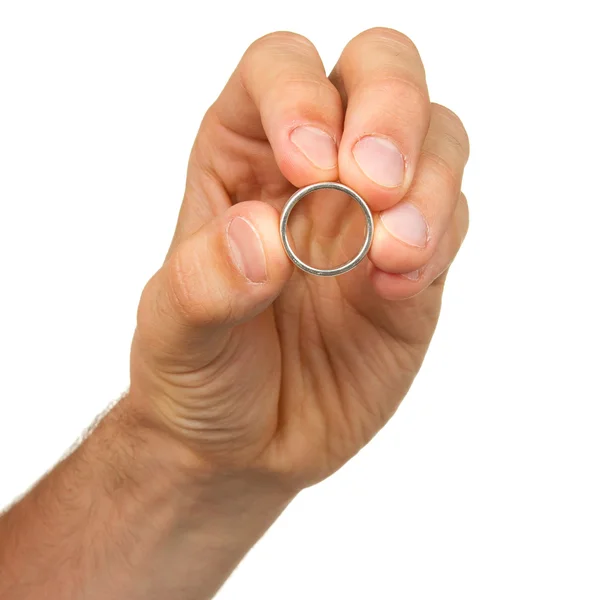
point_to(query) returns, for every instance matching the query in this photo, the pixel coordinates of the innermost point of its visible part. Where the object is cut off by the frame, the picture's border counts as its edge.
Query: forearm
(130, 514)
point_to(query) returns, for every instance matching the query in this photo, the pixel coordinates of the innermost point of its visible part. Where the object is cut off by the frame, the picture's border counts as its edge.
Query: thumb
(227, 272)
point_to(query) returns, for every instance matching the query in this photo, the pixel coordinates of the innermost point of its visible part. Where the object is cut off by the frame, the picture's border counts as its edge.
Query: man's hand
(259, 367)
(250, 380)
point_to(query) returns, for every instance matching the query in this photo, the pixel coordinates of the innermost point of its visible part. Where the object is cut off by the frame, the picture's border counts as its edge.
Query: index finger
(277, 121)
(280, 92)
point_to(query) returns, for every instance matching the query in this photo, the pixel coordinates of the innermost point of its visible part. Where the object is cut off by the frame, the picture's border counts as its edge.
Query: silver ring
(309, 189)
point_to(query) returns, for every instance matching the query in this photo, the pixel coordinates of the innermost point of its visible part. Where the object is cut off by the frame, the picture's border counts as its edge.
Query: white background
(486, 483)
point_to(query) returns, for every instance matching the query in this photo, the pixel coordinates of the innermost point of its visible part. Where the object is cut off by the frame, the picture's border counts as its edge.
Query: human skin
(251, 380)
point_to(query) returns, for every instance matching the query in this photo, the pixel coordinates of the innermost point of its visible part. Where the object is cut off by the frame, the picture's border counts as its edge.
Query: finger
(280, 92)
(227, 272)
(382, 78)
(393, 286)
(408, 234)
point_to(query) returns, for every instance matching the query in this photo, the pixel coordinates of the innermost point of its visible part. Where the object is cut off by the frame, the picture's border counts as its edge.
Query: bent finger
(408, 234)
(280, 92)
(400, 286)
(382, 79)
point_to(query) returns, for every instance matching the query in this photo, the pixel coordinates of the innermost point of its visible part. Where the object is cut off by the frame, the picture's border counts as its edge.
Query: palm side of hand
(301, 383)
(347, 362)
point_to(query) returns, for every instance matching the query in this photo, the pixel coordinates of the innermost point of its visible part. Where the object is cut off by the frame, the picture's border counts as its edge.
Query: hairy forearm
(128, 515)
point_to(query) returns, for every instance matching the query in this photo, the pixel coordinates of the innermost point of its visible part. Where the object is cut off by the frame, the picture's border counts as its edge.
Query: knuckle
(186, 292)
(455, 132)
(449, 177)
(304, 94)
(386, 59)
(278, 41)
(388, 37)
(459, 143)
(403, 94)
(290, 59)
(303, 86)
(179, 287)
(405, 88)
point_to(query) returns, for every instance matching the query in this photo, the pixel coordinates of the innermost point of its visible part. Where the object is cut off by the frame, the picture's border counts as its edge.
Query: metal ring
(285, 215)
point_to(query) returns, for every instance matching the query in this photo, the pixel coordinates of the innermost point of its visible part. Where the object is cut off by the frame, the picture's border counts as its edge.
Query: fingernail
(405, 222)
(246, 250)
(413, 275)
(318, 146)
(380, 160)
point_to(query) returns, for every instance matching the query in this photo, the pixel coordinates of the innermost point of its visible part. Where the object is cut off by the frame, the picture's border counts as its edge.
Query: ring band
(309, 189)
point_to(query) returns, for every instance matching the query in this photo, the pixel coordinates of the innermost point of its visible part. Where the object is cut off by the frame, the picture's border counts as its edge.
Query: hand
(257, 366)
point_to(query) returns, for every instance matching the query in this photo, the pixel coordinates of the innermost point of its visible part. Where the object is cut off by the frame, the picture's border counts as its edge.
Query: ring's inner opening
(326, 229)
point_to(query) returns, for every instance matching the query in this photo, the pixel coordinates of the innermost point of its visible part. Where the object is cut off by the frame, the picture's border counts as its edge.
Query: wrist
(132, 514)
(196, 486)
